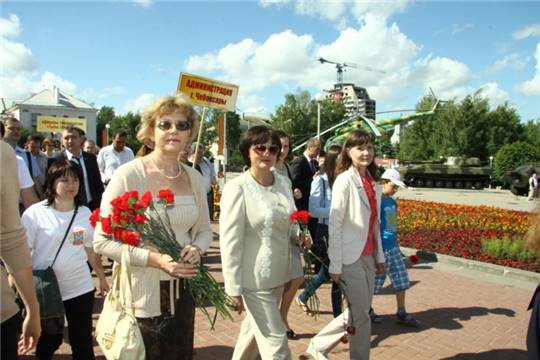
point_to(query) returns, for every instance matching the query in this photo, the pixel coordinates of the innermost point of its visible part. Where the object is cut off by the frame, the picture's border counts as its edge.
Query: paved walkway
(462, 318)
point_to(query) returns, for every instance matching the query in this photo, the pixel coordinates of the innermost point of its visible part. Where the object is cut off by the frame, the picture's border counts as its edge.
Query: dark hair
(330, 162)
(258, 135)
(282, 134)
(73, 128)
(34, 137)
(120, 133)
(356, 138)
(58, 169)
(2, 129)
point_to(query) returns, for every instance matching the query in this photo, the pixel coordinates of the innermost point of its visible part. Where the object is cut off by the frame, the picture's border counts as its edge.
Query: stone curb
(492, 269)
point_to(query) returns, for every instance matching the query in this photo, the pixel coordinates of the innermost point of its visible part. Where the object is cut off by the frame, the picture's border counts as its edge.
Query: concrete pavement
(462, 318)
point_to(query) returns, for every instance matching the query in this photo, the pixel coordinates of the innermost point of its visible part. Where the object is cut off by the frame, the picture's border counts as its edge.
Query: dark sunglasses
(261, 149)
(166, 125)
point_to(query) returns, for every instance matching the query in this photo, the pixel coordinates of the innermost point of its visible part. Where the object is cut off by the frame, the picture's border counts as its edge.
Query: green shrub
(513, 155)
(507, 248)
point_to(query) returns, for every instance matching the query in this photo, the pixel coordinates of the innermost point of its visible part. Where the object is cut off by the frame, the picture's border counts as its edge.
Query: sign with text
(207, 92)
(57, 124)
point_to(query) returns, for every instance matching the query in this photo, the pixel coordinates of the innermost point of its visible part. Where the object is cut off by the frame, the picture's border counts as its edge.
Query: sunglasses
(261, 149)
(166, 125)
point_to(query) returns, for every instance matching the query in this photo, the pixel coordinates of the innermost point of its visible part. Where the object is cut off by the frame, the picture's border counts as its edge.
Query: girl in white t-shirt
(46, 223)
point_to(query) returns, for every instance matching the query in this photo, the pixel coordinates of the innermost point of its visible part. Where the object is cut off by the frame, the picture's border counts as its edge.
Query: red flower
(344, 339)
(118, 233)
(94, 218)
(351, 330)
(145, 200)
(414, 259)
(106, 225)
(131, 237)
(301, 216)
(140, 219)
(167, 195)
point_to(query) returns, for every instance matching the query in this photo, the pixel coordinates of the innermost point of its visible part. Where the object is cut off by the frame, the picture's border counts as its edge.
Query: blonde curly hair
(164, 106)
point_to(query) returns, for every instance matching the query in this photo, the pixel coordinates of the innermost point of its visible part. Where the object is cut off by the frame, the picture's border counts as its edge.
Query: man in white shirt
(207, 171)
(12, 136)
(114, 155)
(33, 146)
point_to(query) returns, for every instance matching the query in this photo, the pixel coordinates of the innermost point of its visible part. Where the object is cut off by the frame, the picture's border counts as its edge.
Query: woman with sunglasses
(255, 246)
(164, 309)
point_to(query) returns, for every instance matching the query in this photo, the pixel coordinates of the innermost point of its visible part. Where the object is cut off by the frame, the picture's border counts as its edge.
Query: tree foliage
(468, 128)
(298, 116)
(513, 155)
(105, 116)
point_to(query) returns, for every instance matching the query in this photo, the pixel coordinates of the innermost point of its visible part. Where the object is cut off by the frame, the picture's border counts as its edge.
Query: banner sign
(57, 124)
(207, 92)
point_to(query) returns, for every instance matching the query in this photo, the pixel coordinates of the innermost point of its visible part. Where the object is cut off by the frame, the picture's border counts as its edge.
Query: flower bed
(458, 230)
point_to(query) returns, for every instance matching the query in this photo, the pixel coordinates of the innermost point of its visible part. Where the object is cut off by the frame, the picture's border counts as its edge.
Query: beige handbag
(117, 332)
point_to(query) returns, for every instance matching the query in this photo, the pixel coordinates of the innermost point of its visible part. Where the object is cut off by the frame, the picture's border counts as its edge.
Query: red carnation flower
(140, 219)
(106, 225)
(414, 259)
(167, 195)
(94, 218)
(351, 330)
(118, 233)
(146, 199)
(301, 216)
(131, 237)
(344, 339)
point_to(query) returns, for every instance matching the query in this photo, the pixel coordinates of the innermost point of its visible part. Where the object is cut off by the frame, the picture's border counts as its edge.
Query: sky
(124, 54)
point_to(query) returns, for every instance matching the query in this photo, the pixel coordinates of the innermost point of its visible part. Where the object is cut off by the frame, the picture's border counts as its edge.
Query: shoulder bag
(117, 332)
(51, 307)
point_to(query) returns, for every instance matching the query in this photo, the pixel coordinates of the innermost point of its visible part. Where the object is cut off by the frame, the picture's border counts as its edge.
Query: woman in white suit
(256, 247)
(355, 248)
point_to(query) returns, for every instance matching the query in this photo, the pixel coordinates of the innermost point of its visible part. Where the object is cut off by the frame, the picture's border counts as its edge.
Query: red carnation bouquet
(137, 222)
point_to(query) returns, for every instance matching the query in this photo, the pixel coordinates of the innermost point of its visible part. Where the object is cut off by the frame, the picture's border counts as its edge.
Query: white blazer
(349, 221)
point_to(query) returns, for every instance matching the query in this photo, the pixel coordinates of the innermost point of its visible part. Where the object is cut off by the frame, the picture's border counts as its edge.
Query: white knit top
(189, 219)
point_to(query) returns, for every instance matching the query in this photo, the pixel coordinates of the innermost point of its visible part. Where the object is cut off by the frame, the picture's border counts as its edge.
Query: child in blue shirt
(394, 266)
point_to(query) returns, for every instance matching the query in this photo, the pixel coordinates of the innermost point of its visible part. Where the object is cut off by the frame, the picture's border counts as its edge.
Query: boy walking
(395, 266)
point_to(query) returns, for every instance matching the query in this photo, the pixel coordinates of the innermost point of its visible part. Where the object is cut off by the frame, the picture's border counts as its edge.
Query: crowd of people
(352, 232)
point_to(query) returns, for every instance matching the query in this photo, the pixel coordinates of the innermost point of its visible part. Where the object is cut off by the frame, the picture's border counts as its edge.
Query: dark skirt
(170, 336)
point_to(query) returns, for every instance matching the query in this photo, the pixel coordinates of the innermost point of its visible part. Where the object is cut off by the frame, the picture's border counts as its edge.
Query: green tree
(513, 155)
(468, 128)
(298, 116)
(531, 131)
(105, 116)
(130, 124)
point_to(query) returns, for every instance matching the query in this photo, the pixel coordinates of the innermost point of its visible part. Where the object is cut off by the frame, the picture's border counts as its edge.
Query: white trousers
(359, 278)
(263, 331)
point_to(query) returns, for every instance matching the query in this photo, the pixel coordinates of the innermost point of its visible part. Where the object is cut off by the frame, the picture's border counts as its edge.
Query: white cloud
(532, 87)
(139, 104)
(290, 61)
(10, 27)
(447, 77)
(514, 61)
(15, 58)
(20, 77)
(457, 28)
(143, 3)
(494, 94)
(527, 31)
(339, 11)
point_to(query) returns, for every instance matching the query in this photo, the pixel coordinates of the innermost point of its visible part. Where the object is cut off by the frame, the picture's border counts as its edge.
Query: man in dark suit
(302, 170)
(91, 189)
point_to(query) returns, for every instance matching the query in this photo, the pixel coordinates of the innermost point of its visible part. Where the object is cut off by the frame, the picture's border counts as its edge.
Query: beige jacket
(145, 280)
(254, 230)
(14, 251)
(349, 221)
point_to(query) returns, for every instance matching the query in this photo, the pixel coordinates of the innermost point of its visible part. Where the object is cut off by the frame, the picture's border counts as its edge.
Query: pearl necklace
(163, 173)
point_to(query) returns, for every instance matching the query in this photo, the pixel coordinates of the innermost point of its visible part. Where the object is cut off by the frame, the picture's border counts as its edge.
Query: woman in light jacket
(164, 309)
(256, 247)
(355, 247)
